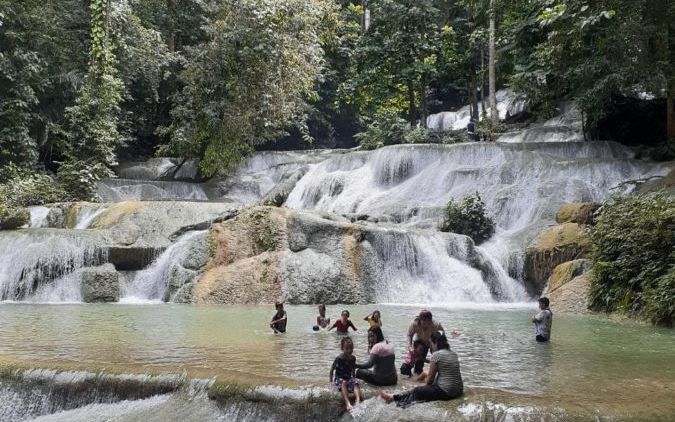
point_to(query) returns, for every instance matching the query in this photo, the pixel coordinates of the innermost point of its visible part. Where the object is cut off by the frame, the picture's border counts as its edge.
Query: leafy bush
(79, 178)
(634, 257)
(386, 129)
(23, 188)
(469, 218)
(11, 217)
(75, 181)
(390, 129)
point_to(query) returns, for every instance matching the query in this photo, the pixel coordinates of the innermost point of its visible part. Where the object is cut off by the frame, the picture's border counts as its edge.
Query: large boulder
(577, 212)
(268, 253)
(554, 246)
(100, 284)
(565, 272)
(572, 297)
(152, 223)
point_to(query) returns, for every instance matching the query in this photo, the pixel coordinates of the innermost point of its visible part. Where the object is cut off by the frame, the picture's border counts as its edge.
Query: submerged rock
(100, 284)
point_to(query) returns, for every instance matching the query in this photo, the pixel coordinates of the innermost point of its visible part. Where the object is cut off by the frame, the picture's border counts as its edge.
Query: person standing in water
(374, 320)
(422, 327)
(543, 321)
(382, 359)
(321, 320)
(342, 325)
(279, 319)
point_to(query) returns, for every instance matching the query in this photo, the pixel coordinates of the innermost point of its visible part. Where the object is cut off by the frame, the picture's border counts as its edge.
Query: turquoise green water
(590, 360)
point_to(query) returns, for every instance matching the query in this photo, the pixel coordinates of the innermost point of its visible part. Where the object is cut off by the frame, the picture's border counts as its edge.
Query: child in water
(279, 319)
(374, 320)
(342, 373)
(343, 323)
(321, 320)
(413, 363)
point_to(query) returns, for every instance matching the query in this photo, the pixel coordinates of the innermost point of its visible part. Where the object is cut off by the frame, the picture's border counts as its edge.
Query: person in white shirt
(542, 321)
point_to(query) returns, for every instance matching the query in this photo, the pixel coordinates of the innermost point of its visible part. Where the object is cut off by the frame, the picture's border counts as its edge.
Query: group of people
(442, 380)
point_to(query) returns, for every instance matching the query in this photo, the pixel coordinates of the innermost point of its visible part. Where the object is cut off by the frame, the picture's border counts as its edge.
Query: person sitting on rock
(444, 380)
(342, 325)
(342, 373)
(279, 319)
(381, 359)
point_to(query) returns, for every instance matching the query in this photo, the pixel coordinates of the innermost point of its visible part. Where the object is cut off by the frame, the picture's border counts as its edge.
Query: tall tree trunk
(493, 52)
(365, 19)
(172, 30)
(423, 102)
(473, 95)
(483, 110)
(411, 103)
(670, 112)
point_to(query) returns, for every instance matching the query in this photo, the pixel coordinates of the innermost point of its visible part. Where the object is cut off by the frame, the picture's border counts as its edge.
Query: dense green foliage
(592, 51)
(634, 257)
(249, 82)
(469, 218)
(85, 82)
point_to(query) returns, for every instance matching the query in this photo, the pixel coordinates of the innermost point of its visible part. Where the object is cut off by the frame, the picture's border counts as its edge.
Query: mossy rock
(564, 235)
(116, 213)
(565, 272)
(577, 212)
(555, 245)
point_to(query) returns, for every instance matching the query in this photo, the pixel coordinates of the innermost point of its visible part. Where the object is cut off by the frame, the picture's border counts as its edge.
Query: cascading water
(152, 283)
(437, 268)
(42, 264)
(522, 186)
(116, 190)
(508, 104)
(87, 216)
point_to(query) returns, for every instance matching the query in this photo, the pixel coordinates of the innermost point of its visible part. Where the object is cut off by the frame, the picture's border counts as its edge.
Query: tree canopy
(90, 81)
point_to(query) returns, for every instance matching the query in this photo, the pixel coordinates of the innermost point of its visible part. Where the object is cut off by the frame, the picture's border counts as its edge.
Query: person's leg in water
(345, 394)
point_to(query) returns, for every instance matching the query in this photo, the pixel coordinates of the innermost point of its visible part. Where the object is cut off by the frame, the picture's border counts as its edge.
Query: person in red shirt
(343, 324)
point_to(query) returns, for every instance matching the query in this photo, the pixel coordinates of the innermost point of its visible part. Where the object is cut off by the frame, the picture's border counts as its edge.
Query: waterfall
(152, 283)
(87, 215)
(522, 185)
(42, 264)
(116, 190)
(508, 104)
(38, 216)
(435, 268)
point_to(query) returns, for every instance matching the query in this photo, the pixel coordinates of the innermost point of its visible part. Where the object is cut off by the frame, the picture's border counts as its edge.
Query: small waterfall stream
(151, 284)
(42, 264)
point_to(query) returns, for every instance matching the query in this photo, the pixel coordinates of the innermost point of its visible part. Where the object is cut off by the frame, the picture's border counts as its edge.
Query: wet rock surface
(100, 284)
